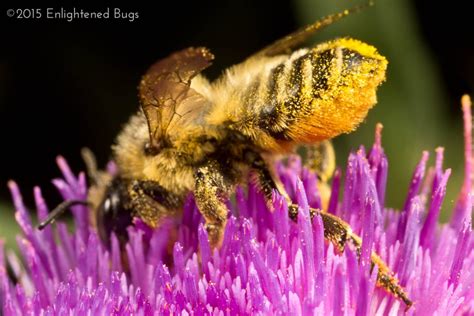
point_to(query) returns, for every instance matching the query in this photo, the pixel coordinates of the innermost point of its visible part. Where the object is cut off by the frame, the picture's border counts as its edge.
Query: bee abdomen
(319, 93)
(290, 89)
(309, 96)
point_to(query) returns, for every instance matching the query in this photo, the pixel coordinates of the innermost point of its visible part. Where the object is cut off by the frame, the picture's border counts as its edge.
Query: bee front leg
(211, 189)
(151, 202)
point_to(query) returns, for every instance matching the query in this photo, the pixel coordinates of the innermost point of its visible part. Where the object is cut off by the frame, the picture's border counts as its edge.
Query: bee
(192, 135)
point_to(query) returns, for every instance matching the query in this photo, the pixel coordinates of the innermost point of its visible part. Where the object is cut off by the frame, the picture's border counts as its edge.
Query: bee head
(112, 214)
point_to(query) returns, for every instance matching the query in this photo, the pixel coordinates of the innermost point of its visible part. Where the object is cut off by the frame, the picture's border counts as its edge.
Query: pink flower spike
(267, 264)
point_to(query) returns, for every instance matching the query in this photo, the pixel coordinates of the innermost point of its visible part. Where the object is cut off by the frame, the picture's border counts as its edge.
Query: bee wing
(166, 97)
(286, 44)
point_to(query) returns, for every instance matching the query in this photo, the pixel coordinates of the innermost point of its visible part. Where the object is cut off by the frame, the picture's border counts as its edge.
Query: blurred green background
(64, 85)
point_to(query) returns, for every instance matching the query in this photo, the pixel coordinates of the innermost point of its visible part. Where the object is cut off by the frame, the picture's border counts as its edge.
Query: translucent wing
(166, 97)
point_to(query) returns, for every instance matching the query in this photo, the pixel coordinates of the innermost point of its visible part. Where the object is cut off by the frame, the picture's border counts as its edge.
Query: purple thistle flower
(267, 263)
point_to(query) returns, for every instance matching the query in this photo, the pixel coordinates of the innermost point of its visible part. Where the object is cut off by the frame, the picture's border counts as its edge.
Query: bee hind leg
(321, 159)
(339, 233)
(336, 230)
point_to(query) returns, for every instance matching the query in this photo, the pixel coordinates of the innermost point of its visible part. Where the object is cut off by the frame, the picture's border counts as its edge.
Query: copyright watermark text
(71, 14)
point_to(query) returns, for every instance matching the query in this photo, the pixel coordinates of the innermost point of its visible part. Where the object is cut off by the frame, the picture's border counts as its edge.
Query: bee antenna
(59, 210)
(91, 164)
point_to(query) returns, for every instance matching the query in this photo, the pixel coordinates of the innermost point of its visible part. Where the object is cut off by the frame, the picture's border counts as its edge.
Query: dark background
(64, 85)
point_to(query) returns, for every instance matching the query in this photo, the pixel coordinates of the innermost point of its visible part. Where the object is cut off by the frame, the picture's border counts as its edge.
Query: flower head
(267, 263)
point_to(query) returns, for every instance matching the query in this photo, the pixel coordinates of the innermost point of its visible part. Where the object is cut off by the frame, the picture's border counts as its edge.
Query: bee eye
(113, 216)
(151, 150)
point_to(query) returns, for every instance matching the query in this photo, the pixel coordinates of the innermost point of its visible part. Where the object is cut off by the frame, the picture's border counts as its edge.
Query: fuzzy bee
(192, 135)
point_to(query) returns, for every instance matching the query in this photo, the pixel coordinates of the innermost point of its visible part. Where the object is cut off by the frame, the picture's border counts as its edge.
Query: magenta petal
(461, 253)
(429, 226)
(413, 190)
(410, 241)
(204, 248)
(340, 304)
(379, 164)
(306, 242)
(268, 279)
(368, 232)
(266, 265)
(333, 200)
(461, 212)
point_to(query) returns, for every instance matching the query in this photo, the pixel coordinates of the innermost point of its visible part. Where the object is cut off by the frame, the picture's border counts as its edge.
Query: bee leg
(59, 210)
(211, 187)
(264, 177)
(336, 230)
(151, 202)
(320, 159)
(339, 233)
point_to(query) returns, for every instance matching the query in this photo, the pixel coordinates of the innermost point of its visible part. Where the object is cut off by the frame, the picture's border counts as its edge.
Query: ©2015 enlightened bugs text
(71, 14)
